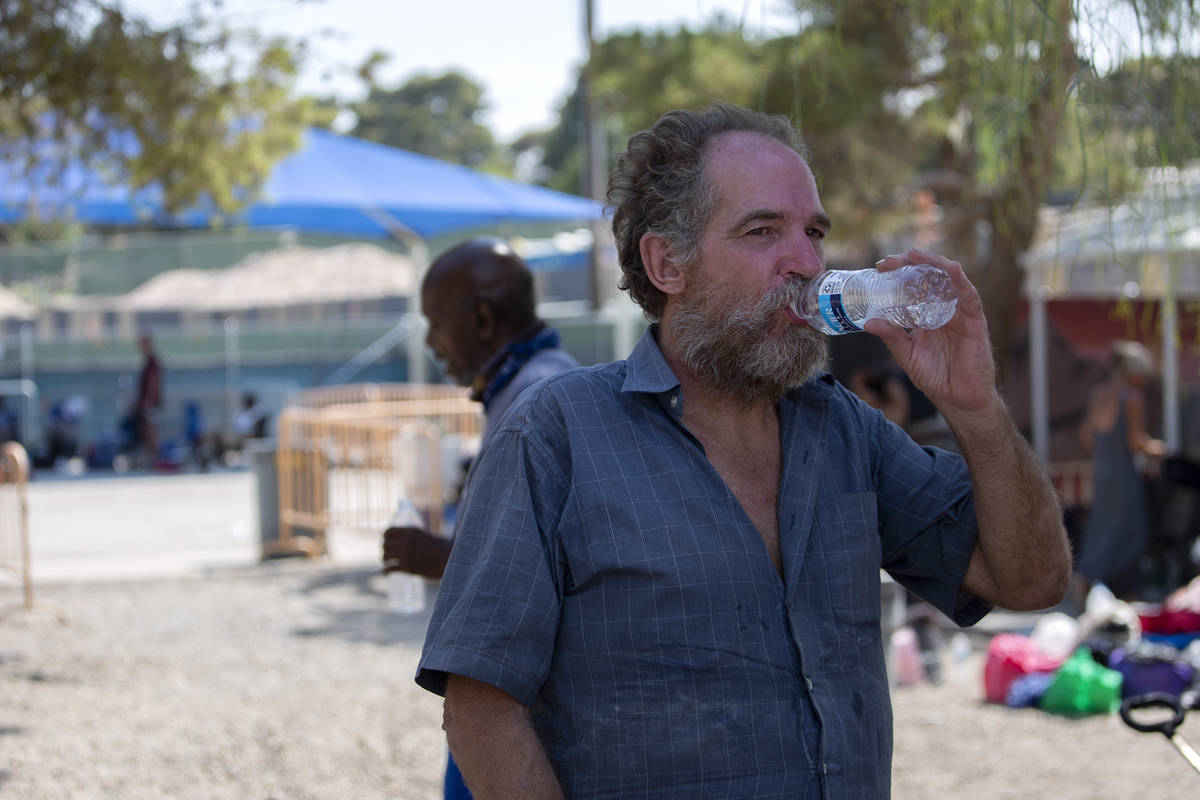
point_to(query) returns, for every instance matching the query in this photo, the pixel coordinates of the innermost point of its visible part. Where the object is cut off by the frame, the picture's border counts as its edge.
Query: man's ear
(485, 320)
(660, 269)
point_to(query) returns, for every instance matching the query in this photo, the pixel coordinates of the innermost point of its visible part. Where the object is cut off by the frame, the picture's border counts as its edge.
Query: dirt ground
(289, 680)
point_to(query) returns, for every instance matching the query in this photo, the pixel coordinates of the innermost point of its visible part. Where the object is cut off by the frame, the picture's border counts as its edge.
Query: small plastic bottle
(913, 296)
(405, 591)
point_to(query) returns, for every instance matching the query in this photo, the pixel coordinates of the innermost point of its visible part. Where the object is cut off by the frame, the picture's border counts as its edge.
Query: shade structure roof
(1148, 246)
(332, 184)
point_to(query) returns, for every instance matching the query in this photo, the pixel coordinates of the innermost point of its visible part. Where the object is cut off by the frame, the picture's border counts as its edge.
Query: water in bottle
(405, 591)
(913, 296)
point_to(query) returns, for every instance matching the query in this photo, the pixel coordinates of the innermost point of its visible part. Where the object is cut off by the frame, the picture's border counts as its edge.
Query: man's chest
(752, 476)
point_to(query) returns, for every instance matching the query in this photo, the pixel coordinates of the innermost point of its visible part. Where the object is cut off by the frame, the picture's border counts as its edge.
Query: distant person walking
(148, 400)
(1114, 432)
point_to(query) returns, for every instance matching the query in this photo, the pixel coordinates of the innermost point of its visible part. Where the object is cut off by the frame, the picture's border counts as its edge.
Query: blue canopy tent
(333, 184)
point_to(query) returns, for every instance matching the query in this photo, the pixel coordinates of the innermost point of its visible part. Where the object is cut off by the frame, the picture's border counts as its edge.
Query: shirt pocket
(848, 529)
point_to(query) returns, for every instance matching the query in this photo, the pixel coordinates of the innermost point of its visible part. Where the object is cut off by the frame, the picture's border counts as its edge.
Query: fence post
(29, 407)
(14, 512)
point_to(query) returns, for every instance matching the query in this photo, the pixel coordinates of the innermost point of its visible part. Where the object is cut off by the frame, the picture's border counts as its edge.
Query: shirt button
(824, 768)
(808, 683)
(674, 401)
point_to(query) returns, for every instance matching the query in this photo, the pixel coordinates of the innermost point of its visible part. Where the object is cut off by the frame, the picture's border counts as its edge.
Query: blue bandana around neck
(510, 360)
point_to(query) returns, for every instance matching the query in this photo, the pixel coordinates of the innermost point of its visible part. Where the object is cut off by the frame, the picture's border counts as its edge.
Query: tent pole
(1039, 399)
(1170, 365)
(595, 160)
(29, 409)
(232, 366)
(418, 251)
(418, 371)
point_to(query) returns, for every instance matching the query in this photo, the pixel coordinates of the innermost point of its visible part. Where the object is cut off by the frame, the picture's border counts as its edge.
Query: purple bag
(1149, 667)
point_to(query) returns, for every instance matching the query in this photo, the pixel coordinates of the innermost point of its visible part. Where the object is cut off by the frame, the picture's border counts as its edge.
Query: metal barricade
(347, 455)
(14, 527)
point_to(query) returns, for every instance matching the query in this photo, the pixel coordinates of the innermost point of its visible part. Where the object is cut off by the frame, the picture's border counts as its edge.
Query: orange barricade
(347, 455)
(14, 525)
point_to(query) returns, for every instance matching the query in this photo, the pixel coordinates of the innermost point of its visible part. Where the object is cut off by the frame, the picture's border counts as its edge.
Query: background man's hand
(416, 551)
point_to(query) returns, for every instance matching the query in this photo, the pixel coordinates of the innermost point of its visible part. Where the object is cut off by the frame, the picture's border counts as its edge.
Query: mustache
(783, 295)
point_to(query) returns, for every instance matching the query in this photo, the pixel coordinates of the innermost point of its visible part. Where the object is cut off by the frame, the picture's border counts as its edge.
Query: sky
(525, 53)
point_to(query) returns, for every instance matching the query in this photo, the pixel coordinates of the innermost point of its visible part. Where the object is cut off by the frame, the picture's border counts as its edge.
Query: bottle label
(829, 301)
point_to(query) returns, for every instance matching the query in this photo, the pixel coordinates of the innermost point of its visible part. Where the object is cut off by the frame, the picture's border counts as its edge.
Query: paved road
(110, 527)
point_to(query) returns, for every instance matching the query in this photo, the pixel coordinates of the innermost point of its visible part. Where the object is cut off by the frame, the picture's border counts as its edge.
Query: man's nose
(804, 260)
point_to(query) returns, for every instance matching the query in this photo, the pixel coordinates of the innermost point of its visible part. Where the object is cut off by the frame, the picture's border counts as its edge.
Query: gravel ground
(291, 680)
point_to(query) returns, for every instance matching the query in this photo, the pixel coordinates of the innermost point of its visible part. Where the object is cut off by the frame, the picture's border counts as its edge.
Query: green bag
(1081, 686)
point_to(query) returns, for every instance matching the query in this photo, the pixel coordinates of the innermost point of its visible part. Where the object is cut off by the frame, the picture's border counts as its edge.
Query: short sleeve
(496, 615)
(927, 521)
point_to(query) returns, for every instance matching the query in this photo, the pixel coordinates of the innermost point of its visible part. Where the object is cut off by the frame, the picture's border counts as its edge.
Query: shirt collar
(646, 369)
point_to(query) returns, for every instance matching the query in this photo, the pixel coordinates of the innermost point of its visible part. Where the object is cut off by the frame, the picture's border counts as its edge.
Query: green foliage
(437, 115)
(201, 111)
(817, 79)
(1152, 101)
(561, 149)
(992, 108)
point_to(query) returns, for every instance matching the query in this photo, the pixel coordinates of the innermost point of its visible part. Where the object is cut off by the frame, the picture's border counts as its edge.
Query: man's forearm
(494, 744)
(1022, 560)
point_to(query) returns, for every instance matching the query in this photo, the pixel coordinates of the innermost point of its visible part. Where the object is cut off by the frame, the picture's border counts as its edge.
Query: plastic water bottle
(913, 296)
(405, 591)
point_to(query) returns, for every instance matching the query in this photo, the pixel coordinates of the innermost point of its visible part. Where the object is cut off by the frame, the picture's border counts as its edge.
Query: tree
(1150, 103)
(816, 80)
(437, 115)
(1014, 87)
(993, 108)
(640, 74)
(195, 108)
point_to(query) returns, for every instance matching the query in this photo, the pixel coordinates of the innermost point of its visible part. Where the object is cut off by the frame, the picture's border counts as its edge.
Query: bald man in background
(478, 298)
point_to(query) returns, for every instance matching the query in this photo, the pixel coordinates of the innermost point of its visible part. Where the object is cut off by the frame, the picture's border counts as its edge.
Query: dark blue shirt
(604, 575)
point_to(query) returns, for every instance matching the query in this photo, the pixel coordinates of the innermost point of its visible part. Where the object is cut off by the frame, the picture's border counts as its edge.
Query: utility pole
(595, 178)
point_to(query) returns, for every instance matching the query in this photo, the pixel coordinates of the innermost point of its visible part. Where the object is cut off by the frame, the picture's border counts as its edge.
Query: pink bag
(1010, 656)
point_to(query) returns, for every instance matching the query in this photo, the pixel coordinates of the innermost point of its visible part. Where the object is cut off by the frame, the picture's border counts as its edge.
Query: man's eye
(816, 233)
(759, 231)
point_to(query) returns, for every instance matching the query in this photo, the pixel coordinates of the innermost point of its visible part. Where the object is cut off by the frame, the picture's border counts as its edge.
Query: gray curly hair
(659, 186)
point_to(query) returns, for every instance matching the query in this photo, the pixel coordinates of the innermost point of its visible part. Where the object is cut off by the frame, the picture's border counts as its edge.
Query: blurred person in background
(10, 430)
(61, 445)
(478, 298)
(250, 421)
(147, 402)
(1114, 433)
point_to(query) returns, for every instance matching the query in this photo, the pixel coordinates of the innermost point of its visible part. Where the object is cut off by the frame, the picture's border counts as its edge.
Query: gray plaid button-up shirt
(604, 575)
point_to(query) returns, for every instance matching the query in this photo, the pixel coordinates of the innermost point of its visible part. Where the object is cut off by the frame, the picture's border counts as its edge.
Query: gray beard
(728, 347)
